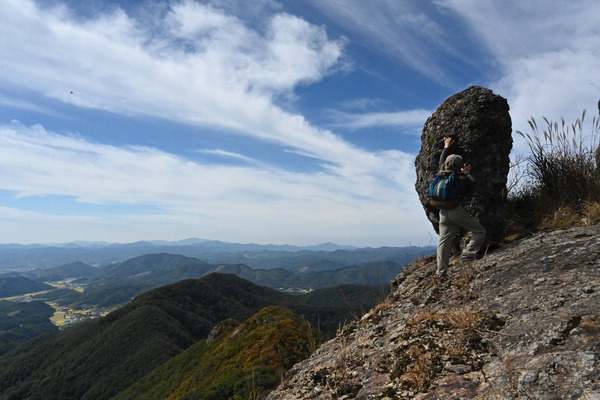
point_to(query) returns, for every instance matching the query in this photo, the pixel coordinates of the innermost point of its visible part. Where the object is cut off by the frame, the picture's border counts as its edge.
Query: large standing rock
(479, 122)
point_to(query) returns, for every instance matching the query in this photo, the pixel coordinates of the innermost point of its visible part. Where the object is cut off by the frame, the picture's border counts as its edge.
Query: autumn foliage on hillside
(238, 361)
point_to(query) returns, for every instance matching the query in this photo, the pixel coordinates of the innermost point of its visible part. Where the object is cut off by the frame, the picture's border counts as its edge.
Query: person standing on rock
(451, 219)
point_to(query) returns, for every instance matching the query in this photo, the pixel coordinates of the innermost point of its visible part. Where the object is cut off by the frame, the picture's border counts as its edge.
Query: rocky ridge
(521, 323)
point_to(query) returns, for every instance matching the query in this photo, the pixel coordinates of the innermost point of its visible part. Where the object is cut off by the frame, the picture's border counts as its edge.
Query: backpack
(443, 191)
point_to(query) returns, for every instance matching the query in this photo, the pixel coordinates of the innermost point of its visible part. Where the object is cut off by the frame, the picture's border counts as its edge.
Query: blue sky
(292, 121)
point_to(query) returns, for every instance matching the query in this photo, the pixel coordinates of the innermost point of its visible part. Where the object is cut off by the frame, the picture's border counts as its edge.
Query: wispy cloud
(541, 55)
(229, 154)
(402, 30)
(204, 68)
(22, 104)
(200, 66)
(549, 52)
(413, 120)
(192, 197)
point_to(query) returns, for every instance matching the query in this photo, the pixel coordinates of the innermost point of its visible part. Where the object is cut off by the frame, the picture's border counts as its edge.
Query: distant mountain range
(98, 290)
(118, 283)
(15, 257)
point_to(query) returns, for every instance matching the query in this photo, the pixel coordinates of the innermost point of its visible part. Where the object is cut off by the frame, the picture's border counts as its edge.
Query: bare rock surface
(521, 323)
(480, 123)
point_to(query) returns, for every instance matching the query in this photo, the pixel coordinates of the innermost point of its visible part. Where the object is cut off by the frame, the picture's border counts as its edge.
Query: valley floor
(64, 316)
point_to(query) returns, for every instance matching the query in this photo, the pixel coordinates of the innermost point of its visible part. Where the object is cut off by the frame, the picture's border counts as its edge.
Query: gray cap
(453, 163)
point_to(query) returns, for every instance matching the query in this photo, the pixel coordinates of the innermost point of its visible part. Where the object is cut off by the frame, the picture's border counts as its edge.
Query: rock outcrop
(521, 323)
(479, 122)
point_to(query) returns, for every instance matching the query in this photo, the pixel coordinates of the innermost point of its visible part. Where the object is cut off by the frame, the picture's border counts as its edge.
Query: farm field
(63, 316)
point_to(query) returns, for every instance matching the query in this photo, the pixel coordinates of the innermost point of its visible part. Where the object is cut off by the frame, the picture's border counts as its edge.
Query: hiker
(455, 216)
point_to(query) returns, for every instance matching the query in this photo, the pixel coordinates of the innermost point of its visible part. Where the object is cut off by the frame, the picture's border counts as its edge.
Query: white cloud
(549, 52)
(204, 68)
(248, 204)
(208, 69)
(414, 119)
(24, 105)
(229, 154)
(399, 29)
(192, 20)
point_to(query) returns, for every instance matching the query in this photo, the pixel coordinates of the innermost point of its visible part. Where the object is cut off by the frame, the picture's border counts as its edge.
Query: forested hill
(98, 359)
(18, 285)
(75, 269)
(239, 361)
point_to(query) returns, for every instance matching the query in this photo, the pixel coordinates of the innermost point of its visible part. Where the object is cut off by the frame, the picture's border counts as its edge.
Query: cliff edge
(521, 323)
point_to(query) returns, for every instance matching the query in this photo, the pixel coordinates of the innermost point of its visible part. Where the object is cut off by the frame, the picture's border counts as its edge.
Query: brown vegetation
(557, 186)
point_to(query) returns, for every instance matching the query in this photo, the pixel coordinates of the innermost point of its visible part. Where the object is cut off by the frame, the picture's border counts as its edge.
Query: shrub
(559, 183)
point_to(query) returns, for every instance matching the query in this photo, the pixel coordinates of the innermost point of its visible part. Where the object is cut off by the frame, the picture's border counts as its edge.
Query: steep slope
(97, 360)
(238, 360)
(523, 322)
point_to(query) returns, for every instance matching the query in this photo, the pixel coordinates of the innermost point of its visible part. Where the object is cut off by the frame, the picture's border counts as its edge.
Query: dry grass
(425, 316)
(464, 319)
(563, 218)
(421, 365)
(463, 285)
(380, 307)
(377, 313)
(558, 180)
(434, 338)
(591, 212)
(567, 217)
(455, 318)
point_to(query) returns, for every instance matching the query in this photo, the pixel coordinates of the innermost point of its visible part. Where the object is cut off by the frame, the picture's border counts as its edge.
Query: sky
(260, 121)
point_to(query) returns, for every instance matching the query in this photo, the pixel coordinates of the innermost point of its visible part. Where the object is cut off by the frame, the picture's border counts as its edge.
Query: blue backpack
(443, 191)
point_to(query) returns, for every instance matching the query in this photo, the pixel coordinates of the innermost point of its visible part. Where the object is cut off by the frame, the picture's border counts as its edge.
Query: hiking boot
(469, 256)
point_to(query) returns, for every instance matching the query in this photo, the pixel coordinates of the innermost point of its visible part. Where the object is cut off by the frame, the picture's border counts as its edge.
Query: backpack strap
(445, 203)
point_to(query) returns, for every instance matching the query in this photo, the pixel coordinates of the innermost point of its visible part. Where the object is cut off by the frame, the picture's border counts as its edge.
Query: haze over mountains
(25, 257)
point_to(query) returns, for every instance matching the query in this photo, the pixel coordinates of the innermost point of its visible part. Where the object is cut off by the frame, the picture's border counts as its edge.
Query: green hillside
(22, 321)
(150, 270)
(97, 296)
(66, 271)
(99, 359)
(240, 361)
(376, 273)
(19, 285)
(153, 270)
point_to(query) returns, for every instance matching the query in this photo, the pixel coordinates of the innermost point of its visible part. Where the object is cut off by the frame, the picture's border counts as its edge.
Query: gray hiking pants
(450, 220)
